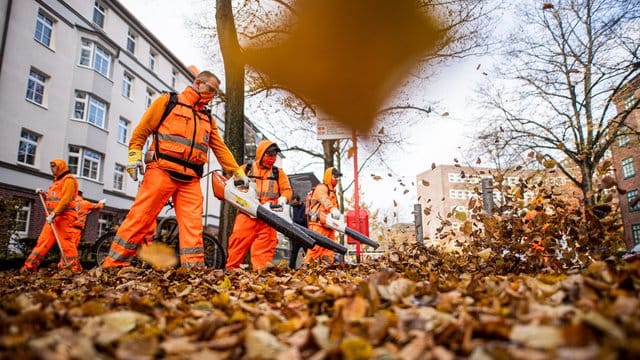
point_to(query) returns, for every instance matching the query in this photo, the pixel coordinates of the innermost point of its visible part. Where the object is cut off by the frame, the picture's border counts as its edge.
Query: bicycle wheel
(214, 255)
(102, 246)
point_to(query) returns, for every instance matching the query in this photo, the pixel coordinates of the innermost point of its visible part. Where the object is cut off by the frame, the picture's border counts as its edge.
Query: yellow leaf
(351, 152)
(159, 255)
(425, 183)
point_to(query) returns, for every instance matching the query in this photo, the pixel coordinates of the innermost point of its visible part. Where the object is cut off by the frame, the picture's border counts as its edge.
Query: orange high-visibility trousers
(251, 233)
(157, 187)
(47, 240)
(318, 252)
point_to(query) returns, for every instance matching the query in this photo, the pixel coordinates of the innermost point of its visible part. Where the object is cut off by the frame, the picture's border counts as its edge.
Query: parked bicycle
(167, 232)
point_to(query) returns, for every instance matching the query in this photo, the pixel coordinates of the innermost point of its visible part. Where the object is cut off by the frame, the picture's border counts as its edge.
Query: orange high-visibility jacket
(268, 188)
(63, 191)
(84, 208)
(323, 199)
(188, 144)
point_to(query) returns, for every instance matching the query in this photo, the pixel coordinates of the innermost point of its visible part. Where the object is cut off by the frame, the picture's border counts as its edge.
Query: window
(635, 233)
(127, 85)
(84, 162)
(44, 29)
(35, 86)
(105, 223)
(152, 60)
(118, 177)
(27, 147)
(149, 97)
(90, 109)
(174, 78)
(629, 101)
(623, 140)
(631, 195)
(131, 42)
(94, 56)
(23, 215)
(99, 12)
(627, 168)
(123, 130)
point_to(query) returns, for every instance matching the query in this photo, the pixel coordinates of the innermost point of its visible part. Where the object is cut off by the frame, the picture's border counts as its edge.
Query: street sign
(332, 130)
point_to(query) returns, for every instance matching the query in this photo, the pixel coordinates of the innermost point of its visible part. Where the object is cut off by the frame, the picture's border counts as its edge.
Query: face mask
(334, 182)
(205, 98)
(268, 161)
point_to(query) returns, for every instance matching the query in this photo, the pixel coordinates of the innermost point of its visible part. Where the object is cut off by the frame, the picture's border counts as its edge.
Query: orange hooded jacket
(63, 191)
(268, 188)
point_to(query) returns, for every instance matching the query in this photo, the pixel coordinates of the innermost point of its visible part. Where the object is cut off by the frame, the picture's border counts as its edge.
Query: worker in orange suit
(324, 202)
(174, 166)
(84, 208)
(61, 208)
(272, 186)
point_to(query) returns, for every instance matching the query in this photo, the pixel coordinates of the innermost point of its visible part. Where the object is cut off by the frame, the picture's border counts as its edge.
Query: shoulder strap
(173, 101)
(275, 173)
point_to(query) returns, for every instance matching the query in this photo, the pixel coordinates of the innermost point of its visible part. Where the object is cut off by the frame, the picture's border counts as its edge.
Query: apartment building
(626, 160)
(75, 77)
(445, 192)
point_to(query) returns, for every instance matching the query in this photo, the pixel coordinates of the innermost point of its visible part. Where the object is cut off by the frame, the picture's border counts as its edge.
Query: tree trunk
(234, 106)
(329, 150)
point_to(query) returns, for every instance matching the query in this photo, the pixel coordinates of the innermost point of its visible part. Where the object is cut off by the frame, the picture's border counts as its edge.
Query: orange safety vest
(83, 208)
(267, 184)
(181, 141)
(54, 193)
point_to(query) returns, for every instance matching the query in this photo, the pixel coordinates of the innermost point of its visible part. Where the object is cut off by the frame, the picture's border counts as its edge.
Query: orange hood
(61, 167)
(261, 149)
(327, 177)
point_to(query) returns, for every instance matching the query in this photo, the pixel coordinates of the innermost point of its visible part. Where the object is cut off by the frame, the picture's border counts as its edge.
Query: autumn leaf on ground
(160, 256)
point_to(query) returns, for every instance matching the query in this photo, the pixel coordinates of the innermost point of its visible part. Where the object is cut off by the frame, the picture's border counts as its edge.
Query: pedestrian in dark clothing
(299, 216)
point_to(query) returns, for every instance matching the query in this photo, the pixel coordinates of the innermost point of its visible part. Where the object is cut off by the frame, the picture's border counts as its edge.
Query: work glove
(40, 191)
(50, 218)
(282, 201)
(134, 164)
(101, 203)
(335, 213)
(241, 176)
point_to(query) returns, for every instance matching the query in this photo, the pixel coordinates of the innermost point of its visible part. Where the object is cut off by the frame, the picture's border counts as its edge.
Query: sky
(435, 139)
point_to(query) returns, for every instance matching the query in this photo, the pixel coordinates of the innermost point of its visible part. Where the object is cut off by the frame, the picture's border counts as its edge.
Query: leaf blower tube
(321, 240)
(339, 226)
(247, 202)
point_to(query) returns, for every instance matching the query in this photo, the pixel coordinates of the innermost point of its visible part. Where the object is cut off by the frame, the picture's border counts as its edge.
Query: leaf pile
(413, 303)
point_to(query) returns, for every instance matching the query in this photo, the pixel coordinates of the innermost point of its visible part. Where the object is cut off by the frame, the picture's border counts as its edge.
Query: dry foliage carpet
(413, 303)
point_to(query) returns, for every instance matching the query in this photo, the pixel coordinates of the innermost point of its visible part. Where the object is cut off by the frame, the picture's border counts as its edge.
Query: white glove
(282, 201)
(101, 203)
(50, 218)
(335, 213)
(40, 191)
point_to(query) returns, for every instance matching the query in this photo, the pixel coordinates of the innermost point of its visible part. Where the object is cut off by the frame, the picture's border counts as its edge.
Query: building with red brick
(625, 153)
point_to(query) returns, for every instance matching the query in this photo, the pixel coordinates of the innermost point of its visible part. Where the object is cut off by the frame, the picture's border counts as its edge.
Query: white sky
(436, 139)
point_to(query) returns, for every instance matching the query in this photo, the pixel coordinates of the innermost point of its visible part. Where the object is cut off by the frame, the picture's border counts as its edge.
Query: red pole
(356, 190)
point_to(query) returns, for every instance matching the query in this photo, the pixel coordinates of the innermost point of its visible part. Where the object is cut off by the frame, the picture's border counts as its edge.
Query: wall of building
(53, 120)
(622, 150)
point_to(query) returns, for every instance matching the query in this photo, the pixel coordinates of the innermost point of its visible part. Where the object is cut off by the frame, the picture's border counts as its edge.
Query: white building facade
(75, 78)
